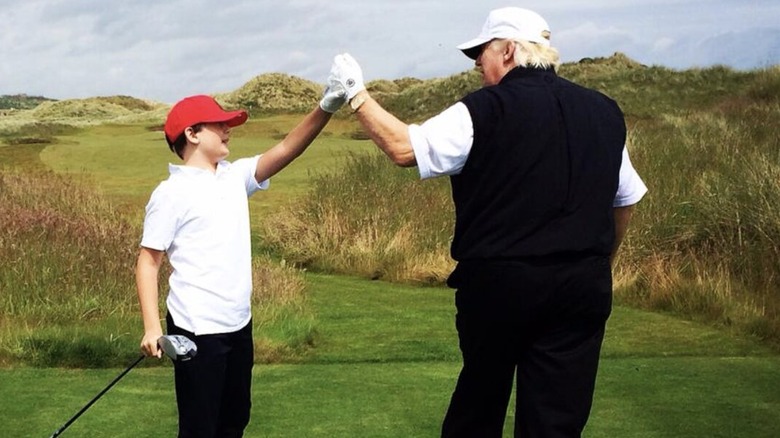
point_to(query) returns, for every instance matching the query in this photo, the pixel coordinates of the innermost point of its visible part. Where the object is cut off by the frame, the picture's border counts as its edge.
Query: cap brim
(472, 48)
(232, 118)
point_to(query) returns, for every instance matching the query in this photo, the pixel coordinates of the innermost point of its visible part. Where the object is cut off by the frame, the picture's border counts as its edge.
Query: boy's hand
(333, 97)
(347, 72)
(149, 345)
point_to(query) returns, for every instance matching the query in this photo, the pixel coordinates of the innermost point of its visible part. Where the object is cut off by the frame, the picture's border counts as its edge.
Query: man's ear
(191, 135)
(508, 52)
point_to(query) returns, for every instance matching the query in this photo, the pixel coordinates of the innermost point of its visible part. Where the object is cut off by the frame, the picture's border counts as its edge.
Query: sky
(164, 50)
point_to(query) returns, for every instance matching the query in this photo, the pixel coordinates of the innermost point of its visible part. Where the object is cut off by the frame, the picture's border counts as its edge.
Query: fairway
(386, 362)
(128, 161)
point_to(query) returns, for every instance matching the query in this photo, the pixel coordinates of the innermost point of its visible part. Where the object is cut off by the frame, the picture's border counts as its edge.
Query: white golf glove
(333, 98)
(347, 72)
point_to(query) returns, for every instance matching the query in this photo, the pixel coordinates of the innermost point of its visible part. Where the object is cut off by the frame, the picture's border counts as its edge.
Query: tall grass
(371, 220)
(65, 251)
(703, 243)
(67, 287)
(283, 321)
(67, 264)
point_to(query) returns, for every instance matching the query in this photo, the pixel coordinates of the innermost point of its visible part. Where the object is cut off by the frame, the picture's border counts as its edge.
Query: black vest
(542, 172)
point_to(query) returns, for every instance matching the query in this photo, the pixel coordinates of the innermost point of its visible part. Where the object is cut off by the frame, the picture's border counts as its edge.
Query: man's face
(495, 61)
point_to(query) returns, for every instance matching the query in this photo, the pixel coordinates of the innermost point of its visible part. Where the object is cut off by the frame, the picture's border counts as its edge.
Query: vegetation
(385, 365)
(96, 109)
(370, 349)
(20, 101)
(274, 93)
(68, 286)
(703, 242)
(342, 226)
(36, 132)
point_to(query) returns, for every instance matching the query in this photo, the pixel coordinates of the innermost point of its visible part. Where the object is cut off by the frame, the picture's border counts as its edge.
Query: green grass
(369, 358)
(20, 101)
(678, 397)
(128, 161)
(385, 365)
(406, 324)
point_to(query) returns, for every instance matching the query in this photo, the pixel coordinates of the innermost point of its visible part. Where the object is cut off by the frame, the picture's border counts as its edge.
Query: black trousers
(539, 322)
(213, 389)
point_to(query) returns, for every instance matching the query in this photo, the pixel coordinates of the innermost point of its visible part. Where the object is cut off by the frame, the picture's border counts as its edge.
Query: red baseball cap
(199, 109)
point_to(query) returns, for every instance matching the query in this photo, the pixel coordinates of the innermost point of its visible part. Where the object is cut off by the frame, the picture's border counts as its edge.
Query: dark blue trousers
(539, 323)
(213, 389)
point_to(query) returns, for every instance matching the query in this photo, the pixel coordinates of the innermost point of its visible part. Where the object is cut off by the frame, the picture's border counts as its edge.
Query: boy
(199, 218)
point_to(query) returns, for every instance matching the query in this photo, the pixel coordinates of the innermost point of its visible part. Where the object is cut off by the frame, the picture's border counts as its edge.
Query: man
(543, 191)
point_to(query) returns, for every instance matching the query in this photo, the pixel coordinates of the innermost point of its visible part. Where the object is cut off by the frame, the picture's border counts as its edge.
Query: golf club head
(177, 347)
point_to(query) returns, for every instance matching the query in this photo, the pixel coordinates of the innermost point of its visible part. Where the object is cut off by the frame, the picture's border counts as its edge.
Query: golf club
(177, 347)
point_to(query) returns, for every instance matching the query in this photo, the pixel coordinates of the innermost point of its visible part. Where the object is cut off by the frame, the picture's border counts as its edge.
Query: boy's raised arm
(293, 145)
(297, 140)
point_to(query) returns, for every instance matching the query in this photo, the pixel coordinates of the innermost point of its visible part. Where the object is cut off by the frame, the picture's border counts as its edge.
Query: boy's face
(213, 141)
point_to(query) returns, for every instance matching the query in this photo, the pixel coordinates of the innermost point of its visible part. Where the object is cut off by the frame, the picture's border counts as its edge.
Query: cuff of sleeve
(632, 199)
(263, 185)
(421, 152)
(259, 185)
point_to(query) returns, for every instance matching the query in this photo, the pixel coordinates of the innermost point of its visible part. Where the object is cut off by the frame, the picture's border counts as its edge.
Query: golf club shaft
(91, 402)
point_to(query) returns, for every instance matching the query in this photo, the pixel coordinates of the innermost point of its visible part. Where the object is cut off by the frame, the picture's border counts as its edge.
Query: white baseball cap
(509, 23)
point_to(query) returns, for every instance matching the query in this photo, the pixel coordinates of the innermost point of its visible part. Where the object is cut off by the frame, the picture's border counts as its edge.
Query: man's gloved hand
(334, 97)
(347, 72)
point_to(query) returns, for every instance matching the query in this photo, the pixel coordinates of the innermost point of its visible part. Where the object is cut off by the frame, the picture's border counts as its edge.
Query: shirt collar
(528, 72)
(178, 169)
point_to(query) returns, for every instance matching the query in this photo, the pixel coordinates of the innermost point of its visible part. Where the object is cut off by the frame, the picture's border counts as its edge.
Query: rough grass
(703, 243)
(367, 220)
(274, 93)
(19, 102)
(67, 287)
(94, 109)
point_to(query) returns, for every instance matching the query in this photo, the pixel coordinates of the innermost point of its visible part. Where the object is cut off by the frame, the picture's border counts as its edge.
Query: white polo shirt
(442, 145)
(201, 220)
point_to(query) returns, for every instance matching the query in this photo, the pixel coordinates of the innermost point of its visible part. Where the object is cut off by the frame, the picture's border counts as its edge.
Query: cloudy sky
(167, 49)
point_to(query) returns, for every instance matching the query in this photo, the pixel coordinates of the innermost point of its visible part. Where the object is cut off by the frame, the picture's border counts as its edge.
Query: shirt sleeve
(442, 143)
(247, 168)
(631, 188)
(161, 220)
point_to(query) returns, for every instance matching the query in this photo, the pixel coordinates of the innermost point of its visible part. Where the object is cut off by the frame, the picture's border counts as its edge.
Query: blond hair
(528, 54)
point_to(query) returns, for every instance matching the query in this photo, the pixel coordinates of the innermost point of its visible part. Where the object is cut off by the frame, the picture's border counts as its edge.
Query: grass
(372, 376)
(703, 242)
(130, 160)
(340, 227)
(20, 101)
(68, 287)
(345, 356)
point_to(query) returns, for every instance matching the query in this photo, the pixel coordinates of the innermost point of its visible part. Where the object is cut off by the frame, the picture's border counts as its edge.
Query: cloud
(742, 50)
(164, 50)
(663, 44)
(591, 40)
